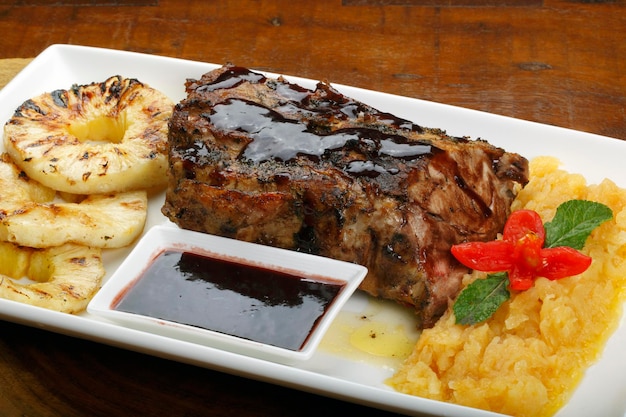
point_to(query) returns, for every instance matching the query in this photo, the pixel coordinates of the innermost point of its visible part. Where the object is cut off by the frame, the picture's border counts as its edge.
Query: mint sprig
(572, 224)
(574, 221)
(479, 300)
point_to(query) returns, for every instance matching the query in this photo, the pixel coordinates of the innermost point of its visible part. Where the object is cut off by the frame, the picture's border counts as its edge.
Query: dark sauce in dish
(250, 302)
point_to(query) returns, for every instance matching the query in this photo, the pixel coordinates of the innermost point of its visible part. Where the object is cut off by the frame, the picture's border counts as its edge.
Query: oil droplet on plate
(382, 339)
(382, 334)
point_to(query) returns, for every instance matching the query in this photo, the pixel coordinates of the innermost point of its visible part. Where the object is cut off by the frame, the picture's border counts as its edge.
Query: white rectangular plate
(603, 389)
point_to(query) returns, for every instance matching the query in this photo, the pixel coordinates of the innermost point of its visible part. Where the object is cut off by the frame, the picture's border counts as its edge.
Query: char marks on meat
(264, 160)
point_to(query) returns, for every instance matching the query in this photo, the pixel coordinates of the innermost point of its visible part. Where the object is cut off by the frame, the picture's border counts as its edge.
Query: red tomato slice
(562, 261)
(520, 279)
(492, 256)
(521, 253)
(522, 222)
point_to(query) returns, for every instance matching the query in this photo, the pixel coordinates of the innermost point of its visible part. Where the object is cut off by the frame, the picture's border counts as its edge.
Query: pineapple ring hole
(100, 129)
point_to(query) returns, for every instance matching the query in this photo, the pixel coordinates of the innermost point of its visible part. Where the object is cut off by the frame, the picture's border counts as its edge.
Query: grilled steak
(267, 161)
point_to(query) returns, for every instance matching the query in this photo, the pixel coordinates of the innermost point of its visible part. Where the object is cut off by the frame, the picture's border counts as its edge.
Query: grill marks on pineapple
(104, 220)
(62, 278)
(93, 138)
(77, 142)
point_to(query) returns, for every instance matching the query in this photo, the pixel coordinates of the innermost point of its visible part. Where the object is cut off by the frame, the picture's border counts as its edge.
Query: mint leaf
(573, 223)
(479, 300)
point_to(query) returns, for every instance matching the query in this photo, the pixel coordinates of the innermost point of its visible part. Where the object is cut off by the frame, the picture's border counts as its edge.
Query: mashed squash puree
(528, 358)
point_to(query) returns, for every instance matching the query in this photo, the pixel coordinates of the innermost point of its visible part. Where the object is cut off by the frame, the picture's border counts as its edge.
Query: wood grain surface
(551, 61)
(561, 63)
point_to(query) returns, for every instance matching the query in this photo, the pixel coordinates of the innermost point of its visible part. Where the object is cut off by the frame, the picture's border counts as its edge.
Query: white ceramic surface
(603, 389)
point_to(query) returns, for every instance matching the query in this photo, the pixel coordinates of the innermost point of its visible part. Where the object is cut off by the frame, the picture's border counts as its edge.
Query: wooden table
(550, 61)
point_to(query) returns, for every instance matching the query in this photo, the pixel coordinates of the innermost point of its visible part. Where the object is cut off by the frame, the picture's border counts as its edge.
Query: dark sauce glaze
(277, 136)
(231, 79)
(250, 302)
(299, 127)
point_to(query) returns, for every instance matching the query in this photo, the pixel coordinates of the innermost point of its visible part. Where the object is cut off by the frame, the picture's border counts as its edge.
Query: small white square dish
(256, 300)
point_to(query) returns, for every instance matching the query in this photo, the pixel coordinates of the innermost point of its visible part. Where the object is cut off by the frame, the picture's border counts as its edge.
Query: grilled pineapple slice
(102, 221)
(92, 139)
(16, 186)
(62, 278)
(28, 217)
